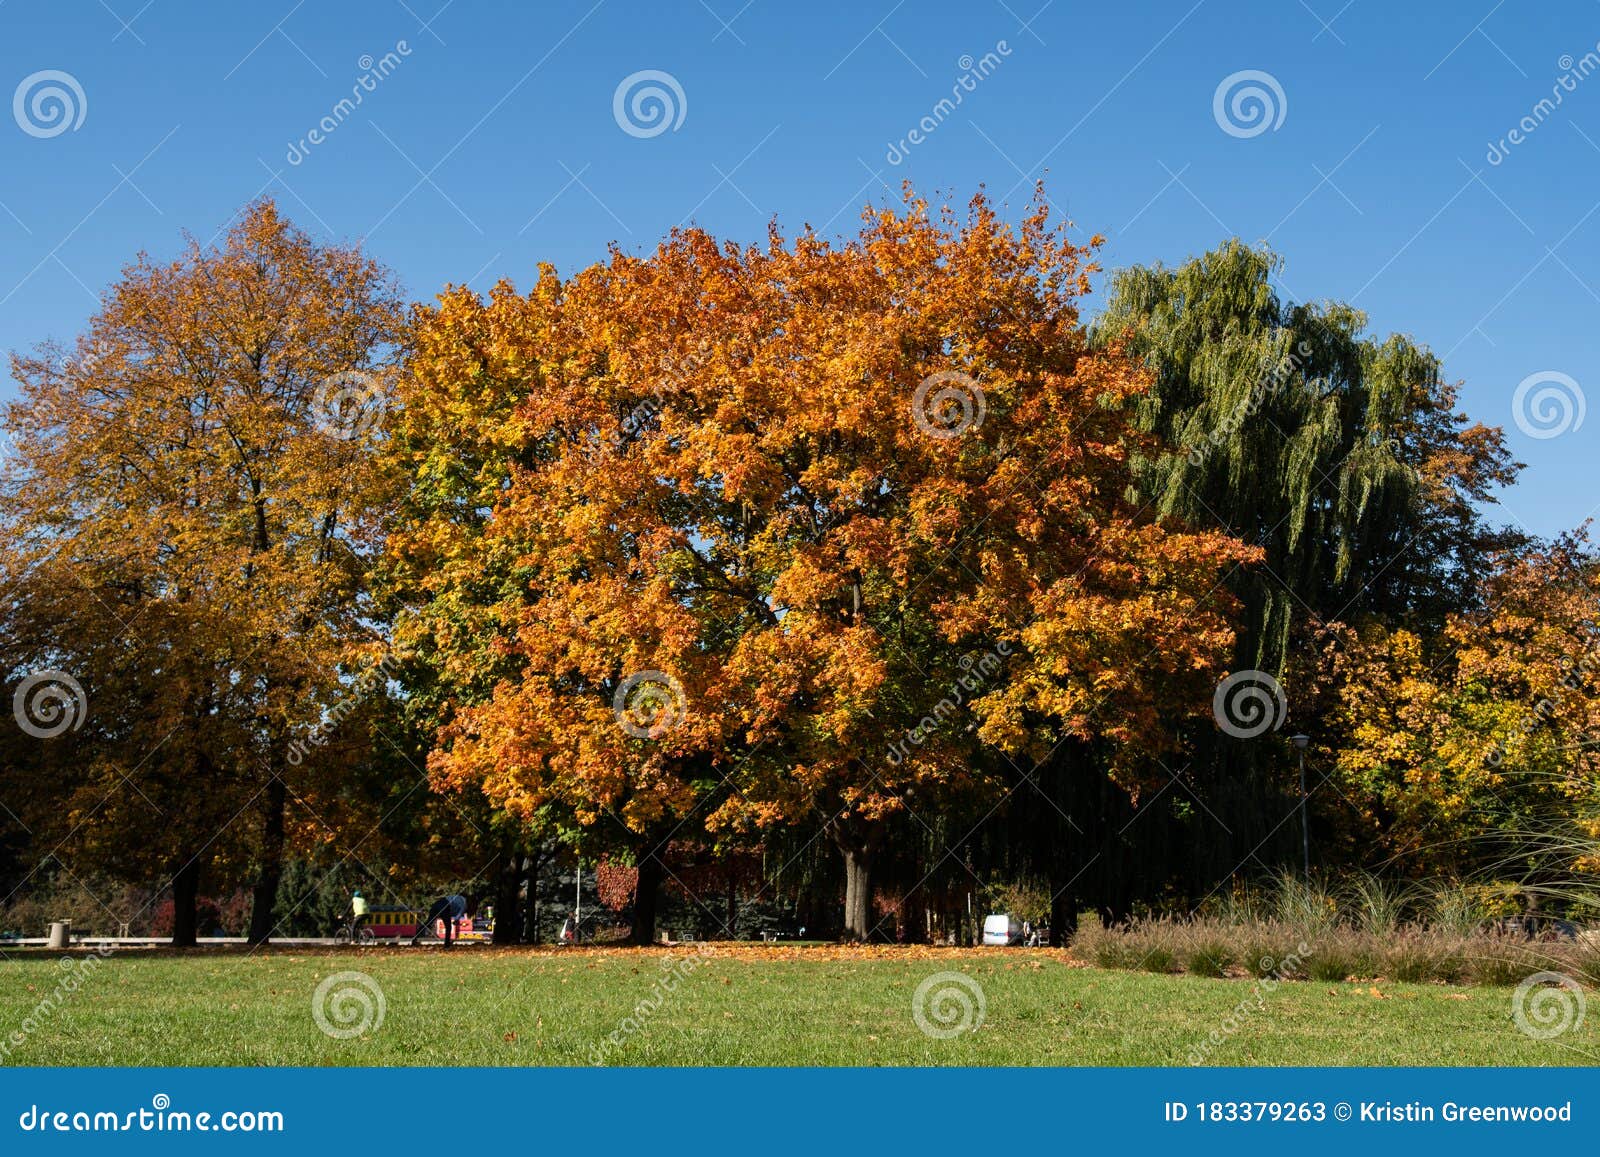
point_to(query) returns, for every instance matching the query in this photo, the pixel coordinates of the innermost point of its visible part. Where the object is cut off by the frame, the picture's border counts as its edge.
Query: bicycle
(348, 933)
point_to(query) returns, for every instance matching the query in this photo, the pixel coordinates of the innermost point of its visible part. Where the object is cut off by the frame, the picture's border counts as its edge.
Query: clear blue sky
(491, 145)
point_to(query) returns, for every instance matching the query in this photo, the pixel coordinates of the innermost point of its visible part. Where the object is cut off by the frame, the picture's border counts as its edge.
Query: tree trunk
(912, 923)
(530, 914)
(507, 917)
(733, 900)
(1063, 918)
(857, 894)
(651, 872)
(275, 800)
(185, 894)
(850, 882)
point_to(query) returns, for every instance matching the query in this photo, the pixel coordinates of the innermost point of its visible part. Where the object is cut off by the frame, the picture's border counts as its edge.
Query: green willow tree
(1343, 457)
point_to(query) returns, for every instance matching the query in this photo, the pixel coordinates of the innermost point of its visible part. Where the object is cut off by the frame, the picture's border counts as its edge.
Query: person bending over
(449, 909)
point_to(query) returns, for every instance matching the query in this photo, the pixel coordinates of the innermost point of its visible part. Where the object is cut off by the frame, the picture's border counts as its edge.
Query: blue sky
(492, 144)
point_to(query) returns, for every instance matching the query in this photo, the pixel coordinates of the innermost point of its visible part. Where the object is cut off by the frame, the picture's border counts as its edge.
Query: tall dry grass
(1367, 929)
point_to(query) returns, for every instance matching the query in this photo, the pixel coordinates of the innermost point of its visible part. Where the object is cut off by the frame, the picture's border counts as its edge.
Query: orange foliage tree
(189, 514)
(763, 519)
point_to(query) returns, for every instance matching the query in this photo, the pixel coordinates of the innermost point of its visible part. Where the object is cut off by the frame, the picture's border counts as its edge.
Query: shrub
(1156, 944)
(1207, 954)
(1383, 931)
(1498, 960)
(1408, 960)
(1455, 909)
(95, 906)
(1157, 958)
(1331, 963)
(1303, 904)
(1106, 948)
(1584, 958)
(1376, 906)
(1268, 948)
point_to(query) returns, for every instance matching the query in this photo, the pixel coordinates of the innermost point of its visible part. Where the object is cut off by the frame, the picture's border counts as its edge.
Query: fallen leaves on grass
(721, 950)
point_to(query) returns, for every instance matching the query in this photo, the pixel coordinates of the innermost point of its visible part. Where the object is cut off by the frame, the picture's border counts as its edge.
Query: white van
(1002, 929)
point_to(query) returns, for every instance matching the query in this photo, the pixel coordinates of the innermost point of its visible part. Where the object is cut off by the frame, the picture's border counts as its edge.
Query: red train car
(394, 923)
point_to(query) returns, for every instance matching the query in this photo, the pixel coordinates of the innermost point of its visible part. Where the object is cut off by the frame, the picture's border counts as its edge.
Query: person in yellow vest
(359, 911)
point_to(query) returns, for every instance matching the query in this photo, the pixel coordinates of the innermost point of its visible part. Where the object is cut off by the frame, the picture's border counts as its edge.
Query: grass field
(738, 1005)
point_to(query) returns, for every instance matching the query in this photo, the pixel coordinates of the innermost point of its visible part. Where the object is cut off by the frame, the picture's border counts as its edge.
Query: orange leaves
(723, 476)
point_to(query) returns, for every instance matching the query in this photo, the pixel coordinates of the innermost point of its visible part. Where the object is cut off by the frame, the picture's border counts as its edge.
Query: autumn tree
(791, 534)
(448, 578)
(189, 516)
(1466, 751)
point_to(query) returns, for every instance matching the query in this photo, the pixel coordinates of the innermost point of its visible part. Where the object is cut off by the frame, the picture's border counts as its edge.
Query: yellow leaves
(235, 515)
(1449, 735)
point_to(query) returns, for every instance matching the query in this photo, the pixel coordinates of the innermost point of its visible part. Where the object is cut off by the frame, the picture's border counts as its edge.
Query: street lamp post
(1301, 742)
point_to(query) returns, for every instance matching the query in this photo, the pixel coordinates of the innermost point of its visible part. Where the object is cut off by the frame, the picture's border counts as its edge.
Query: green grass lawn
(737, 1006)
